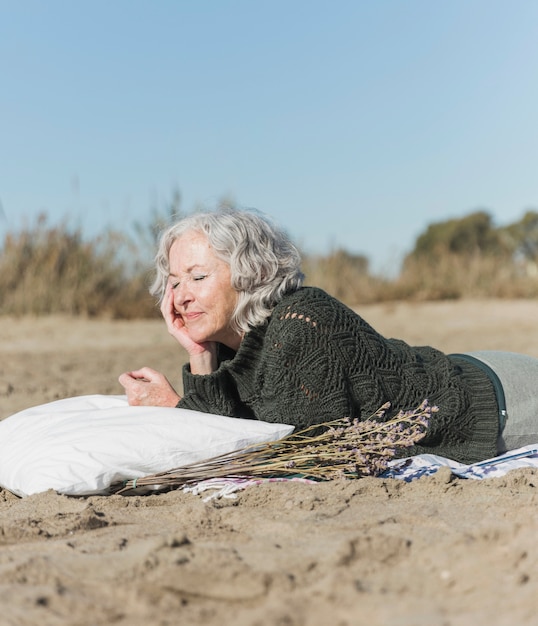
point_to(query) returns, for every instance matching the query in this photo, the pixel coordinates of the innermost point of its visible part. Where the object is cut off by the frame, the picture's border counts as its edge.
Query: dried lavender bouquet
(341, 448)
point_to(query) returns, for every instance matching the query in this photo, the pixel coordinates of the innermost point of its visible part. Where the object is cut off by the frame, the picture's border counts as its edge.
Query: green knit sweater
(316, 360)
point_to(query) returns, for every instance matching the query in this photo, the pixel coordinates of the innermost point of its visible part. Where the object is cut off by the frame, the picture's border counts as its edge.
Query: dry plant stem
(345, 449)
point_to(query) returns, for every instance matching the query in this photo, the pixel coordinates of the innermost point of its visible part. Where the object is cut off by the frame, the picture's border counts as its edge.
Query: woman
(262, 346)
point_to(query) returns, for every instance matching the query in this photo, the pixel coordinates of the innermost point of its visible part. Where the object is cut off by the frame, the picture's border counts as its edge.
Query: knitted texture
(316, 360)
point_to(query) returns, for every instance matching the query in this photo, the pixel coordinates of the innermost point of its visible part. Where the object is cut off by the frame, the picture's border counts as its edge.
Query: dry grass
(50, 270)
(454, 276)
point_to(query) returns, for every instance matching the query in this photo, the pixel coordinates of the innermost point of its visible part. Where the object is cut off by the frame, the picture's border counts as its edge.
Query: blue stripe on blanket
(427, 464)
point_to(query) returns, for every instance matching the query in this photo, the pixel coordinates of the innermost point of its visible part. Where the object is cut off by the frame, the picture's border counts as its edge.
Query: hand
(147, 387)
(202, 356)
(176, 327)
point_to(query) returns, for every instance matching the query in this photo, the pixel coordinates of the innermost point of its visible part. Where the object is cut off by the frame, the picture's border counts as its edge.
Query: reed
(54, 270)
(458, 276)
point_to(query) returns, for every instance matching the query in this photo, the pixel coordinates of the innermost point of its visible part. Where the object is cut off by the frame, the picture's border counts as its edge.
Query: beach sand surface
(437, 551)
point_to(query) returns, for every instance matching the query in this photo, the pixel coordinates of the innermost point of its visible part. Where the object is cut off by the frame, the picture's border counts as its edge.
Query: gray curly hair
(263, 261)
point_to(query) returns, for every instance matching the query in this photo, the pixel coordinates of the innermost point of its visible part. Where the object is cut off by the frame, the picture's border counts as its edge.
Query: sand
(438, 551)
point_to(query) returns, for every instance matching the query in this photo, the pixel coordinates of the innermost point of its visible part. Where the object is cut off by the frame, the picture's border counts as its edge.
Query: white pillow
(82, 445)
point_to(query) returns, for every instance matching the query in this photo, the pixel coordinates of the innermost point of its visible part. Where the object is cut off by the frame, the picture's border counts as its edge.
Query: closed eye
(176, 284)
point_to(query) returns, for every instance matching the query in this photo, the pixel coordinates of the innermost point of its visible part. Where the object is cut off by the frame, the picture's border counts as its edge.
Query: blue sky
(354, 124)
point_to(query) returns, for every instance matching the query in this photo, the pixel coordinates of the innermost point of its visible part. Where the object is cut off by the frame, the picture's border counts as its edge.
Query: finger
(167, 304)
(125, 379)
(145, 374)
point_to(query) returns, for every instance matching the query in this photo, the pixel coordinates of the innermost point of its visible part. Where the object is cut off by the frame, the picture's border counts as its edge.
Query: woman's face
(202, 291)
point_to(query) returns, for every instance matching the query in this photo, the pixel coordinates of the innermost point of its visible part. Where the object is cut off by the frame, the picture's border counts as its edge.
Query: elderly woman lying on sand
(262, 346)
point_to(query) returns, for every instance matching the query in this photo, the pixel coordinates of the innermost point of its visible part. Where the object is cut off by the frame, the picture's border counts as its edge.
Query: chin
(201, 338)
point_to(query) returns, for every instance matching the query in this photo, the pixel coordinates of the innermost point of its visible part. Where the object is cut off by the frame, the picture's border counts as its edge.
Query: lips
(192, 316)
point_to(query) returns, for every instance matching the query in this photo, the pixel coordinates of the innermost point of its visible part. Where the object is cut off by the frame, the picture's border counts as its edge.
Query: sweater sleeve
(213, 393)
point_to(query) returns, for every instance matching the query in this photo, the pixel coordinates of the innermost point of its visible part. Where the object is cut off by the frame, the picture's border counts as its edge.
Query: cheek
(232, 301)
(173, 297)
(225, 310)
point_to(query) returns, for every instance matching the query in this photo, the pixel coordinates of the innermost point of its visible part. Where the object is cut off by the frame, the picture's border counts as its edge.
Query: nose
(182, 294)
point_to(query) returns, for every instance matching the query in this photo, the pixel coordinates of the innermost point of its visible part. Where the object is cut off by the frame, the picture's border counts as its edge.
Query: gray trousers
(518, 375)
